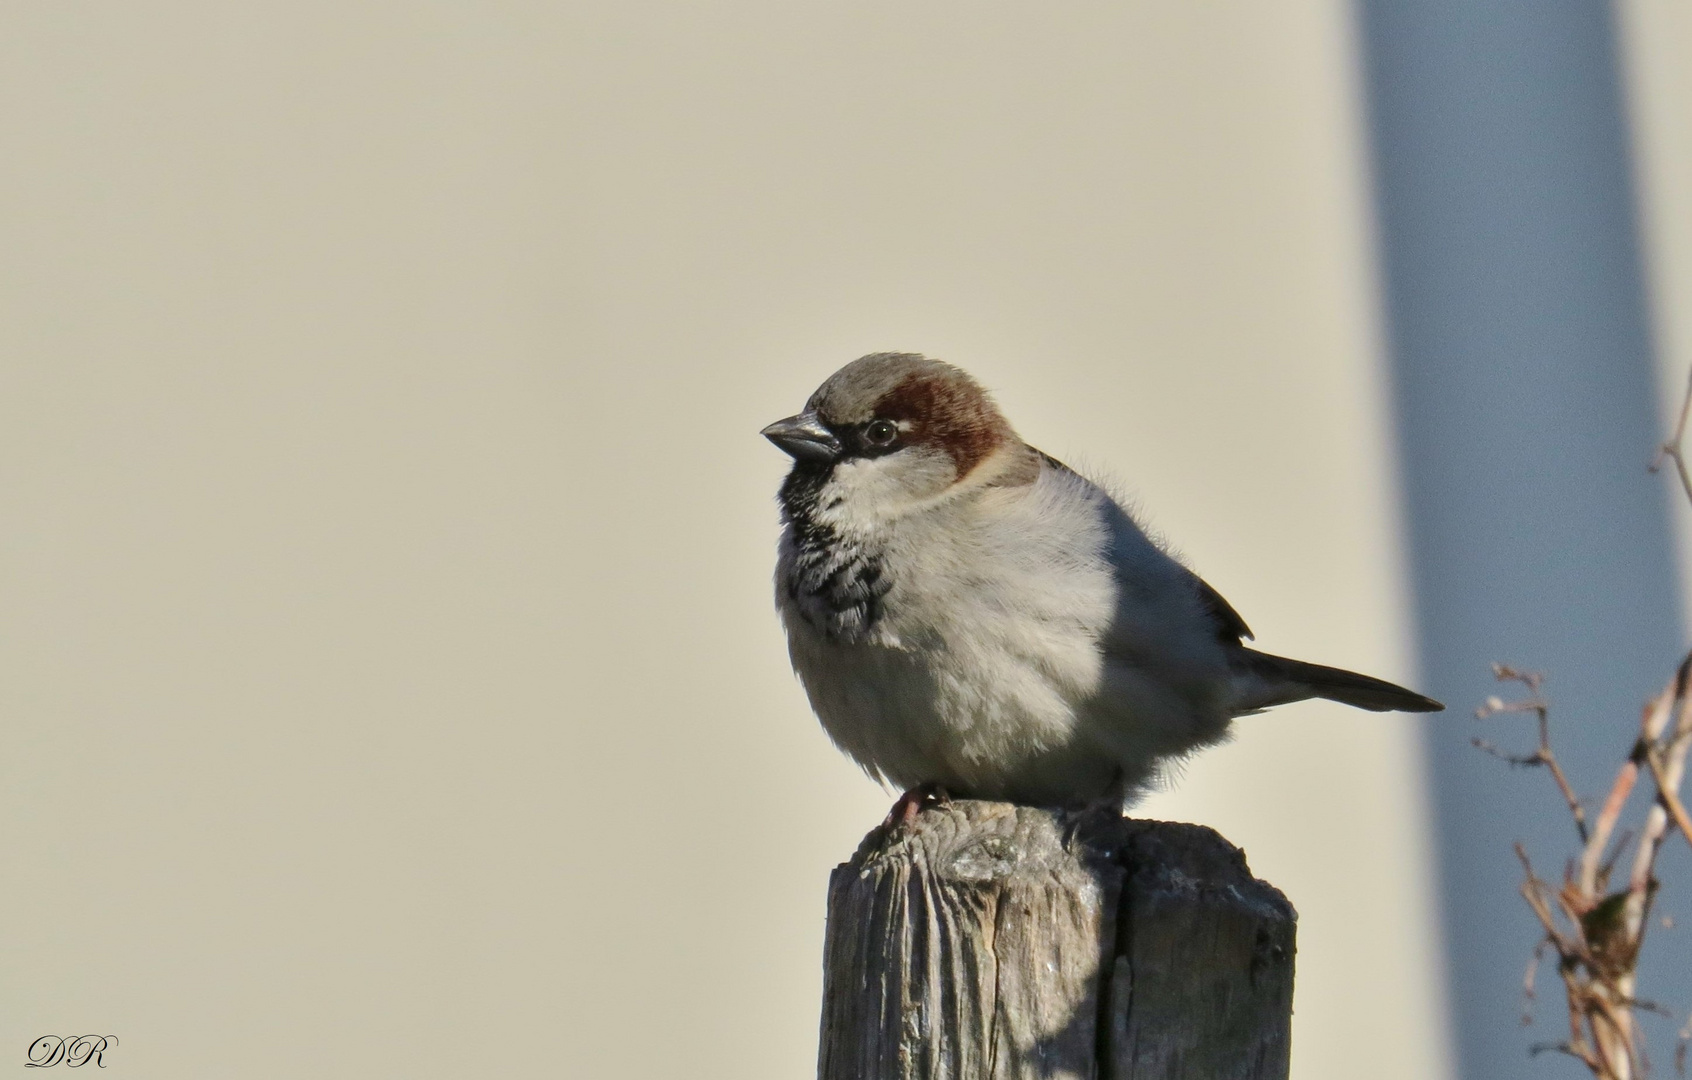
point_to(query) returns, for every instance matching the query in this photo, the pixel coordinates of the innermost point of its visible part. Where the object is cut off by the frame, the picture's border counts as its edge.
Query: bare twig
(1682, 1037)
(1626, 777)
(1669, 798)
(1673, 447)
(1542, 755)
(1528, 979)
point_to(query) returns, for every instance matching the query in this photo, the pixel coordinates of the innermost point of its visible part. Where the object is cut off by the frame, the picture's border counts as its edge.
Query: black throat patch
(836, 584)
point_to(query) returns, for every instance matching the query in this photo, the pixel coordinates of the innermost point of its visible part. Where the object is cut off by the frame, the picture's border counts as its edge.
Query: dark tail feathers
(1279, 680)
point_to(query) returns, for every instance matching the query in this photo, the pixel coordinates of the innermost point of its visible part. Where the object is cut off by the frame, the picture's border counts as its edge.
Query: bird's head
(893, 430)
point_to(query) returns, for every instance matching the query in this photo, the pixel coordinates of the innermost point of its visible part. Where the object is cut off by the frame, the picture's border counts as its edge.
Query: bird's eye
(881, 432)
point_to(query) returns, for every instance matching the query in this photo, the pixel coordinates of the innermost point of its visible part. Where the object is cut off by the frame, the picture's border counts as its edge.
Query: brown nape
(1022, 468)
(953, 414)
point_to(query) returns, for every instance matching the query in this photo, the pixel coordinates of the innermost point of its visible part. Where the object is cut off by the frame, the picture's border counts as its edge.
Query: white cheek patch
(864, 491)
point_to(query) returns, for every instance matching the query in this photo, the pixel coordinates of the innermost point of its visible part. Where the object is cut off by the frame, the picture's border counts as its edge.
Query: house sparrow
(971, 616)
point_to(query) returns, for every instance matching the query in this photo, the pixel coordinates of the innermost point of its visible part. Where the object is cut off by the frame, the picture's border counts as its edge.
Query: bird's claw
(914, 802)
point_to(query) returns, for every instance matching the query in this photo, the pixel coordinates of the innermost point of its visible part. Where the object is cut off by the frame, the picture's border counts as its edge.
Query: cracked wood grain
(992, 941)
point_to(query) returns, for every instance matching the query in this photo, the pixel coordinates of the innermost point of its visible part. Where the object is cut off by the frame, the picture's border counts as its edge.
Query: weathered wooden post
(990, 941)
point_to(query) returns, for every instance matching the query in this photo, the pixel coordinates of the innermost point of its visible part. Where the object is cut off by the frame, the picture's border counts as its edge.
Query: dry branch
(1595, 931)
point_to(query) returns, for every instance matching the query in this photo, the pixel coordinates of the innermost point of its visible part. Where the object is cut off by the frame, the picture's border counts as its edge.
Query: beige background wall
(388, 677)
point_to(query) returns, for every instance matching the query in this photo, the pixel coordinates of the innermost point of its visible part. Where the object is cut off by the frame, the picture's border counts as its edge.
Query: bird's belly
(983, 719)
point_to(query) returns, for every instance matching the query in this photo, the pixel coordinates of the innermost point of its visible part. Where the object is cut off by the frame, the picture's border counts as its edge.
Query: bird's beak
(805, 437)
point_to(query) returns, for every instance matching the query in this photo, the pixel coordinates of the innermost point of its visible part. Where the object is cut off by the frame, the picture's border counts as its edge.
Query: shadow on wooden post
(989, 940)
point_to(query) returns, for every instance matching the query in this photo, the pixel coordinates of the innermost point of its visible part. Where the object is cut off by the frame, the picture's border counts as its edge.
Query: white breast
(978, 672)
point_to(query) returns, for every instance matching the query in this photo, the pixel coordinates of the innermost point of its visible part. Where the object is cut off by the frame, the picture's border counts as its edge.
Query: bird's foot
(914, 802)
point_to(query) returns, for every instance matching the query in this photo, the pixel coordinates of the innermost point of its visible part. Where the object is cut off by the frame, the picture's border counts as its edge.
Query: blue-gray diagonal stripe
(1523, 378)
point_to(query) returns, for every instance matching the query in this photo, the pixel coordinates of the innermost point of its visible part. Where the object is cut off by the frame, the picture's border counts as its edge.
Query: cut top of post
(988, 940)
